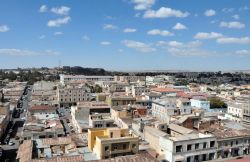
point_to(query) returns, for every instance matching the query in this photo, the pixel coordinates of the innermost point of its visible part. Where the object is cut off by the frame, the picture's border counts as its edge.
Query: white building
(184, 106)
(66, 78)
(200, 102)
(139, 90)
(193, 147)
(164, 108)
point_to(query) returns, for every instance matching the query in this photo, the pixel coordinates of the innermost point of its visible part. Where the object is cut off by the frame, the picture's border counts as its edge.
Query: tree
(217, 103)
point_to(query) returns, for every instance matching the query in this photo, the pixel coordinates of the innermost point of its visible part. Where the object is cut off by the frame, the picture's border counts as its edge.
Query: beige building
(120, 100)
(71, 94)
(112, 142)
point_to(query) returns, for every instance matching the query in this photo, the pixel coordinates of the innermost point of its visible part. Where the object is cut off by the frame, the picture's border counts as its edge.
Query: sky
(126, 34)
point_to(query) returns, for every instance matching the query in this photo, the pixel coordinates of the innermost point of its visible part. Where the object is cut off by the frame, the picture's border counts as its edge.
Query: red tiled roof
(42, 107)
(166, 90)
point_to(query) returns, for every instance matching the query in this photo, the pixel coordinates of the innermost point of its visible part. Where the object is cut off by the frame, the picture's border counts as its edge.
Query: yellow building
(112, 142)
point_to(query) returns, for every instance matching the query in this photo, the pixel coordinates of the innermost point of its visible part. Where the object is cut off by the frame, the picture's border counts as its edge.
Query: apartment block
(112, 142)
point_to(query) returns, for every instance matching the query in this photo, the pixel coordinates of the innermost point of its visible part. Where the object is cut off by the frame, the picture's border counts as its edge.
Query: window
(188, 159)
(189, 147)
(211, 156)
(179, 148)
(205, 145)
(204, 157)
(212, 143)
(196, 146)
(237, 142)
(106, 148)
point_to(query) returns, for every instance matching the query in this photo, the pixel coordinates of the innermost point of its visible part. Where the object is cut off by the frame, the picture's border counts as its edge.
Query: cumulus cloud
(138, 46)
(159, 32)
(109, 26)
(192, 48)
(211, 35)
(233, 40)
(63, 10)
(4, 28)
(232, 24)
(210, 12)
(129, 30)
(58, 33)
(105, 43)
(143, 4)
(20, 52)
(58, 22)
(164, 12)
(179, 26)
(43, 9)
(236, 16)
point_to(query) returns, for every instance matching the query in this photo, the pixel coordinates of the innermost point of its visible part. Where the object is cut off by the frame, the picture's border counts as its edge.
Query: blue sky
(126, 34)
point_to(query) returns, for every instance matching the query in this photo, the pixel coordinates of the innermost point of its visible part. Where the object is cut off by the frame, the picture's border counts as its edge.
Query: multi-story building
(102, 120)
(139, 90)
(184, 105)
(130, 78)
(69, 95)
(164, 108)
(120, 100)
(193, 147)
(200, 102)
(4, 116)
(112, 142)
(80, 113)
(66, 78)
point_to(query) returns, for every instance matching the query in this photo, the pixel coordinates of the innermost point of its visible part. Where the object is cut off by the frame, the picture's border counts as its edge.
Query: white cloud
(192, 48)
(192, 44)
(179, 26)
(211, 35)
(143, 4)
(58, 33)
(109, 26)
(43, 9)
(183, 49)
(233, 40)
(232, 24)
(105, 43)
(129, 30)
(41, 37)
(236, 16)
(244, 8)
(63, 10)
(58, 22)
(138, 46)
(243, 52)
(164, 12)
(159, 32)
(20, 52)
(86, 38)
(210, 12)
(4, 28)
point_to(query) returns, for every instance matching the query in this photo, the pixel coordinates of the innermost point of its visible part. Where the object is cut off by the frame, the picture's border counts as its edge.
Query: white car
(11, 143)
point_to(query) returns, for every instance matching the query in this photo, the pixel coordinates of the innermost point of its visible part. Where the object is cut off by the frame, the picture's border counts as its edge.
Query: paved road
(9, 152)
